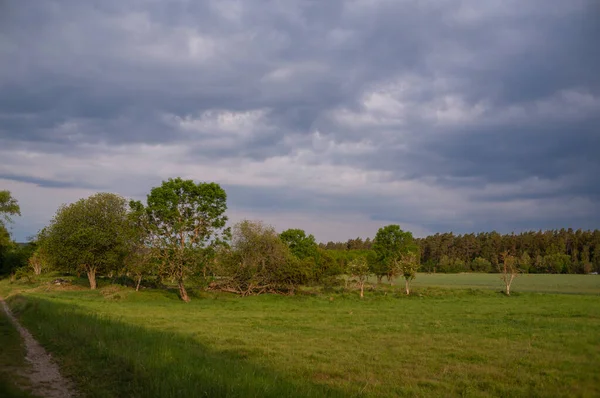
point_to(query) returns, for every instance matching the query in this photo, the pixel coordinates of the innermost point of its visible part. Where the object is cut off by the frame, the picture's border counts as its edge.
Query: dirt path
(46, 380)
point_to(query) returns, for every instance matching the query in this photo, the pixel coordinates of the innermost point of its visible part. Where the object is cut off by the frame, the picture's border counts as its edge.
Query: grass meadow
(456, 335)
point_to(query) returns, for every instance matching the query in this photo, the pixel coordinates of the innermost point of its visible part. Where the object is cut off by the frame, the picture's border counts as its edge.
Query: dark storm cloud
(113, 73)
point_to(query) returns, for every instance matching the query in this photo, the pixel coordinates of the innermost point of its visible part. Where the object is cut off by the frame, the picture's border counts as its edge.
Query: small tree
(359, 270)
(259, 262)
(409, 264)
(524, 262)
(508, 269)
(38, 261)
(90, 235)
(141, 257)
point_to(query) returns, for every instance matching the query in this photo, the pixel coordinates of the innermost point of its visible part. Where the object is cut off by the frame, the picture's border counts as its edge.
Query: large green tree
(359, 271)
(90, 235)
(186, 221)
(390, 244)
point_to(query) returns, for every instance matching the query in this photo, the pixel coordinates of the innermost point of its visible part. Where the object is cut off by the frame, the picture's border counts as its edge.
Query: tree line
(565, 251)
(180, 236)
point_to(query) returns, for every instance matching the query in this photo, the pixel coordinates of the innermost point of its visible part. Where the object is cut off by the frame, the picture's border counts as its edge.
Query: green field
(468, 340)
(540, 283)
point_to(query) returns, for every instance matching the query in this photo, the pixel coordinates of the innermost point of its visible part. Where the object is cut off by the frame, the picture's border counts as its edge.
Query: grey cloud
(114, 69)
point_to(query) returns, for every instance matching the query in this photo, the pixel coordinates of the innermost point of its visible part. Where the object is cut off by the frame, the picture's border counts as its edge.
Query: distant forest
(554, 251)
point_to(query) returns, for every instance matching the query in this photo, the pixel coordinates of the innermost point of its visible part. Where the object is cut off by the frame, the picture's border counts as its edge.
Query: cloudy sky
(334, 116)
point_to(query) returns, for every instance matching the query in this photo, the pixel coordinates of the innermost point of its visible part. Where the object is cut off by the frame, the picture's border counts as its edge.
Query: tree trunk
(508, 289)
(137, 287)
(362, 290)
(37, 267)
(91, 274)
(407, 286)
(379, 279)
(182, 292)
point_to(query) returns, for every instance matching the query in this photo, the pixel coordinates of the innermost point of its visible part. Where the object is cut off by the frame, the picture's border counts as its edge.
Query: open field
(468, 341)
(540, 283)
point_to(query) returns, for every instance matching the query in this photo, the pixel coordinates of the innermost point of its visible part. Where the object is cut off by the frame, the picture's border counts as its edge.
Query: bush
(259, 262)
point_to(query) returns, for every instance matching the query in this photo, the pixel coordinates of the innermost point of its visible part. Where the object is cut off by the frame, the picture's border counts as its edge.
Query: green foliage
(408, 266)
(89, 235)
(186, 221)
(260, 262)
(557, 263)
(359, 271)
(300, 245)
(15, 257)
(480, 264)
(326, 266)
(9, 207)
(456, 253)
(524, 262)
(359, 268)
(389, 245)
(141, 259)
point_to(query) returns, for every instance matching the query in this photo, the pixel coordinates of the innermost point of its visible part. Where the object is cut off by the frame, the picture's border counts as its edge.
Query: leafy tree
(359, 270)
(556, 263)
(300, 245)
(90, 235)
(16, 257)
(586, 264)
(8, 207)
(259, 262)
(326, 266)
(186, 222)
(524, 262)
(480, 264)
(38, 261)
(141, 258)
(409, 263)
(390, 244)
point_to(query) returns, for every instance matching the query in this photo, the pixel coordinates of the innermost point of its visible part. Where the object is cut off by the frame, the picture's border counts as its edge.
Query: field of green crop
(540, 283)
(455, 336)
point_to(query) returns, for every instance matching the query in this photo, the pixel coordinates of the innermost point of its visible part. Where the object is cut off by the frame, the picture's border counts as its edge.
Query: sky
(337, 116)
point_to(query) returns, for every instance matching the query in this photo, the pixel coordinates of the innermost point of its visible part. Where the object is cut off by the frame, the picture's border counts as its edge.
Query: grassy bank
(439, 342)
